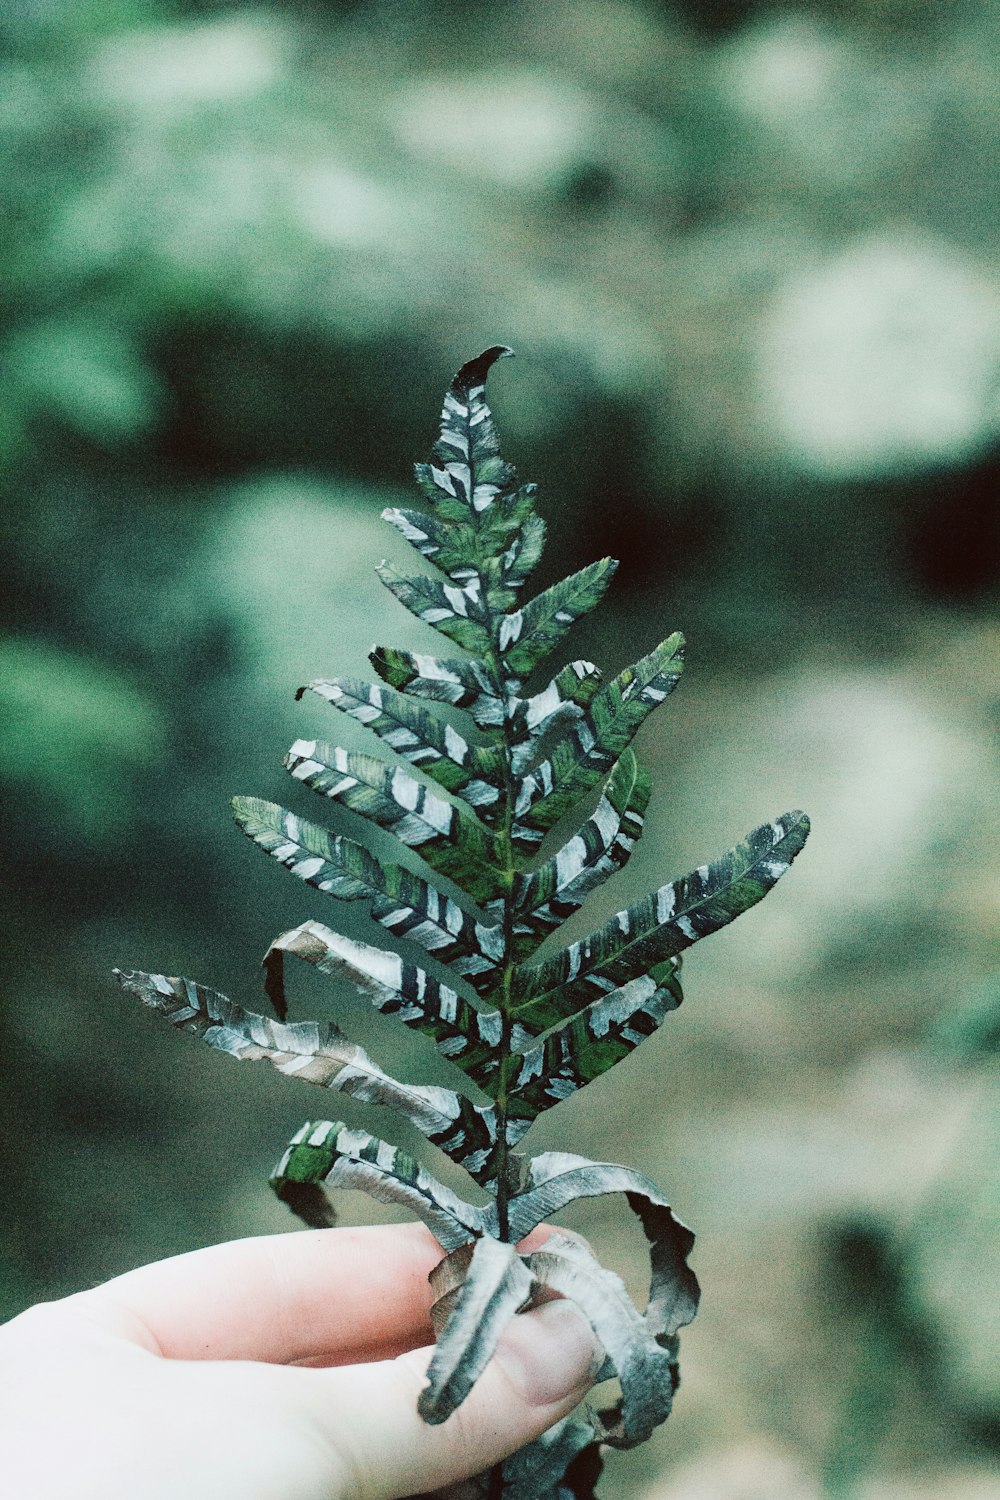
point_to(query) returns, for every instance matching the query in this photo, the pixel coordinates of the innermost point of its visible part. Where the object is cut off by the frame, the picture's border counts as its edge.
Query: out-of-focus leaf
(77, 733)
(881, 360)
(90, 374)
(951, 1257)
(970, 1026)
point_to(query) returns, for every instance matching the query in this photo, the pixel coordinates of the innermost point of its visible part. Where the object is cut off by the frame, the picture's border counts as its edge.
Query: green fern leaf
(452, 841)
(670, 919)
(529, 634)
(548, 895)
(477, 803)
(590, 749)
(472, 473)
(472, 772)
(452, 680)
(592, 1041)
(460, 613)
(468, 1037)
(408, 906)
(503, 572)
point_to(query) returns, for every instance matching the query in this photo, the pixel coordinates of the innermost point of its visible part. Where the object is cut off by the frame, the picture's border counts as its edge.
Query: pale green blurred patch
(952, 1251)
(79, 736)
(288, 563)
(885, 359)
(88, 374)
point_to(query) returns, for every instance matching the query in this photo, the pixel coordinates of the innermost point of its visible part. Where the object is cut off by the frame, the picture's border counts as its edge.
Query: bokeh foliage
(746, 254)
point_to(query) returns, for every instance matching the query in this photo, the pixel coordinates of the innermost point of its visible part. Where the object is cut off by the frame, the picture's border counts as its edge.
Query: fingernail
(550, 1353)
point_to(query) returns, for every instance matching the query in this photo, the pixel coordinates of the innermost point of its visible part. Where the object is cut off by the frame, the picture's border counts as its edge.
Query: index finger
(340, 1294)
(329, 1296)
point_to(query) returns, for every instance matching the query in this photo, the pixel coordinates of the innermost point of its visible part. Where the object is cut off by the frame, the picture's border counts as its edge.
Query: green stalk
(507, 879)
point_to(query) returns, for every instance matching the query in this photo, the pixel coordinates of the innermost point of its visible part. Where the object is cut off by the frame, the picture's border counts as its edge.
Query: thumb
(543, 1365)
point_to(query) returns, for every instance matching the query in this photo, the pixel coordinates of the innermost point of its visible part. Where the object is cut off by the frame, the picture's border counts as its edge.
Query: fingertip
(545, 1362)
(550, 1354)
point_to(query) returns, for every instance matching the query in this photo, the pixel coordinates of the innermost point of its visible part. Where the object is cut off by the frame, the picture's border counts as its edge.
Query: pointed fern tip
(475, 371)
(242, 808)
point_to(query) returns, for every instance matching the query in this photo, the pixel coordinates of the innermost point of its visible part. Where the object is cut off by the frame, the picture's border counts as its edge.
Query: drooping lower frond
(320, 1054)
(468, 1037)
(406, 905)
(327, 1153)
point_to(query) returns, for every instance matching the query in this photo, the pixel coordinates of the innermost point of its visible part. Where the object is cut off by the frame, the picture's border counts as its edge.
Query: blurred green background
(747, 255)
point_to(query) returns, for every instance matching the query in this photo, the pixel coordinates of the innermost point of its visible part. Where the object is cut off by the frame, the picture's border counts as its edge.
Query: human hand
(287, 1366)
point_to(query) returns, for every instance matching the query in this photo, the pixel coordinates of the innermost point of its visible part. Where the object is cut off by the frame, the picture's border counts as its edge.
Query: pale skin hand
(283, 1368)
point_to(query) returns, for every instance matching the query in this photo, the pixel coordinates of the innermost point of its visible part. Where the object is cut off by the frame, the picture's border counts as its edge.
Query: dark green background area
(746, 254)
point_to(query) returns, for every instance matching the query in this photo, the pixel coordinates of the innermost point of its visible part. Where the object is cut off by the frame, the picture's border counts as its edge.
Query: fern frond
(449, 680)
(497, 1284)
(472, 772)
(591, 1041)
(472, 474)
(529, 720)
(316, 1053)
(453, 842)
(647, 1370)
(479, 805)
(460, 613)
(558, 1178)
(526, 636)
(548, 895)
(589, 750)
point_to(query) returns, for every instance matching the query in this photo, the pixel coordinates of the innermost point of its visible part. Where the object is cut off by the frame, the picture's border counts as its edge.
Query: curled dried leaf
(497, 1284)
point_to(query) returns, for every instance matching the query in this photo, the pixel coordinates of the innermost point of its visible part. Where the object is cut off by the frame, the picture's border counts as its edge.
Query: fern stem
(496, 1485)
(506, 843)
